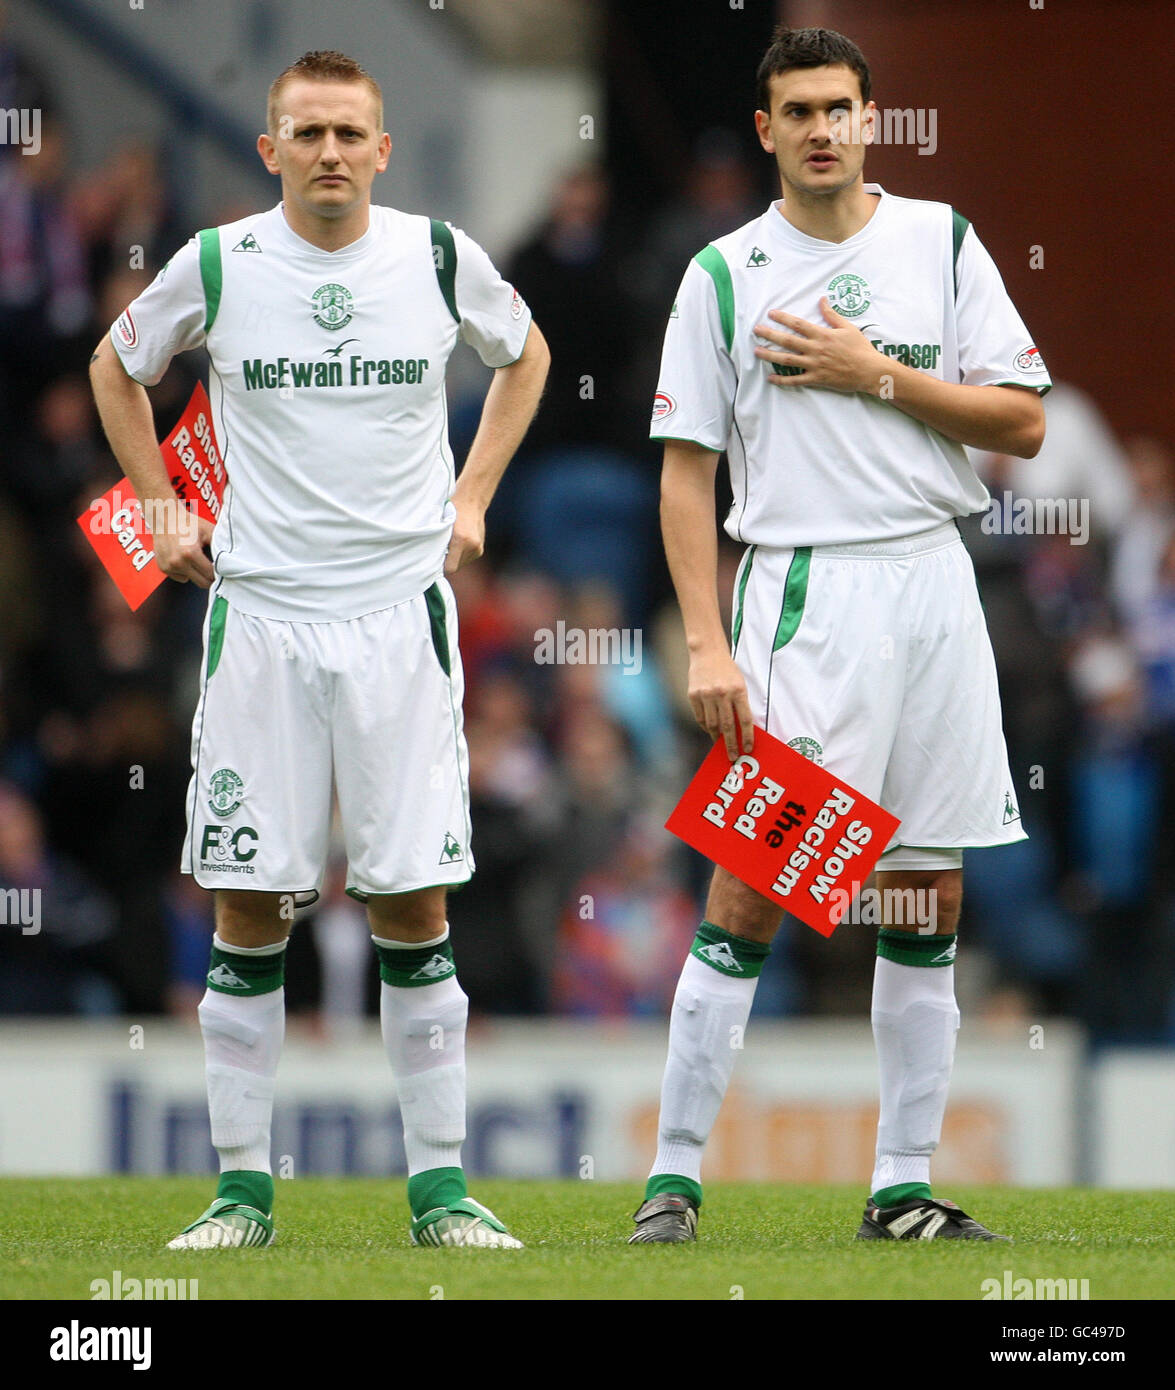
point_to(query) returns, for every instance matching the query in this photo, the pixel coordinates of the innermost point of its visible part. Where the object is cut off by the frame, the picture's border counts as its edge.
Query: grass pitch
(348, 1239)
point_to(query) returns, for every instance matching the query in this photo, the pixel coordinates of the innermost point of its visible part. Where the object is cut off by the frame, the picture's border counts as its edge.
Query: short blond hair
(323, 65)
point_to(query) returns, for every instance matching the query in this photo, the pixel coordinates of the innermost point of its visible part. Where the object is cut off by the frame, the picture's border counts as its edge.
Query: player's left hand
(834, 354)
(468, 540)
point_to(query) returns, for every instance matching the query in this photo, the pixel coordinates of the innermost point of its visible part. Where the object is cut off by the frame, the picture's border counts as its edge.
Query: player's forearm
(691, 542)
(126, 417)
(998, 419)
(510, 406)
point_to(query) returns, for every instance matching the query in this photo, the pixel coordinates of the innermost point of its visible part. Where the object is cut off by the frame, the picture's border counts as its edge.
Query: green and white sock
(915, 1020)
(710, 1011)
(423, 1012)
(242, 1018)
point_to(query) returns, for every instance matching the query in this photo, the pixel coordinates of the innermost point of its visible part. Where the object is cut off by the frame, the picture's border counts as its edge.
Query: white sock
(706, 1028)
(243, 1037)
(915, 1020)
(423, 1031)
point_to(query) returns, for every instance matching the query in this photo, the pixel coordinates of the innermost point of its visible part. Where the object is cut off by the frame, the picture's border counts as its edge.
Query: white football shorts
(874, 661)
(373, 703)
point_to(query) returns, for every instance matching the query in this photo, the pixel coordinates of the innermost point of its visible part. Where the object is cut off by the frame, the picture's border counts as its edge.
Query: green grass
(348, 1238)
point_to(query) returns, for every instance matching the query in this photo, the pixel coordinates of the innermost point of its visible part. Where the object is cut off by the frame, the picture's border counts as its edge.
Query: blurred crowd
(582, 903)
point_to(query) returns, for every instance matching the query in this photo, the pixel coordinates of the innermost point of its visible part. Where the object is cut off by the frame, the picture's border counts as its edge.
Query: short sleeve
(695, 390)
(168, 317)
(494, 317)
(995, 348)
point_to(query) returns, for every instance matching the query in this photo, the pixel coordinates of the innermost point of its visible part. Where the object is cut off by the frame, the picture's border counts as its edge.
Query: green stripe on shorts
(216, 633)
(742, 590)
(435, 601)
(795, 594)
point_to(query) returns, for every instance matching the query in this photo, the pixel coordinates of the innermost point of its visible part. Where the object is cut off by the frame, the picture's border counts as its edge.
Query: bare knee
(416, 916)
(740, 910)
(253, 919)
(927, 901)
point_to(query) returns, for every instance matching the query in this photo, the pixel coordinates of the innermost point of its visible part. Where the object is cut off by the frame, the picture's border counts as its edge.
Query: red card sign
(114, 523)
(786, 827)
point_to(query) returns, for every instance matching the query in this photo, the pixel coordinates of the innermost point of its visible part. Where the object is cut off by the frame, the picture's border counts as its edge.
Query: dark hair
(809, 48)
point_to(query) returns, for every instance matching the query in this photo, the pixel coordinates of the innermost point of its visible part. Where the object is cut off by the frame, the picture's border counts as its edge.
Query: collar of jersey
(781, 227)
(300, 246)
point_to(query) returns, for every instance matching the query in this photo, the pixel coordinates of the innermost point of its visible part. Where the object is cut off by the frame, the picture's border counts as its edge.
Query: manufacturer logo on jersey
(227, 791)
(435, 969)
(452, 850)
(849, 295)
(225, 978)
(673, 312)
(516, 306)
(808, 748)
(1011, 812)
(126, 330)
(720, 955)
(663, 404)
(757, 258)
(247, 243)
(1029, 360)
(333, 306)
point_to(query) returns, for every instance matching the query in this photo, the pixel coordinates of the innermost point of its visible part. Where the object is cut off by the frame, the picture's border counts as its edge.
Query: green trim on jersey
(211, 274)
(435, 602)
(445, 263)
(216, 633)
(795, 594)
(713, 262)
(748, 562)
(959, 225)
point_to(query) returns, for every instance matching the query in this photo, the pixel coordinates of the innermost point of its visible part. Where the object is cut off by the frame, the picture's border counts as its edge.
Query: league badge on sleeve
(785, 826)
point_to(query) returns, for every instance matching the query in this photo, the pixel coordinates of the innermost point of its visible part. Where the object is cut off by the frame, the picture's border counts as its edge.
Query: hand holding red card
(114, 523)
(786, 827)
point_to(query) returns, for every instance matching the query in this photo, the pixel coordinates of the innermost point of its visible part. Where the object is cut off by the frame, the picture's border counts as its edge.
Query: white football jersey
(813, 466)
(327, 391)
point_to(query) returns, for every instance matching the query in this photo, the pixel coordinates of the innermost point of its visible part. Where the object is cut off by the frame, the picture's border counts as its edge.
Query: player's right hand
(181, 553)
(718, 698)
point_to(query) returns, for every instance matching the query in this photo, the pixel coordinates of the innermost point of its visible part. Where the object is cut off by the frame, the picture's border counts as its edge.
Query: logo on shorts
(1010, 811)
(333, 306)
(227, 791)
(849, 295)
(451, 852)
(808, 748)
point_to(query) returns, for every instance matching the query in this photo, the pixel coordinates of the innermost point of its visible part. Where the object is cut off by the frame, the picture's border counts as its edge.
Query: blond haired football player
(330, 645)
(842, 349)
